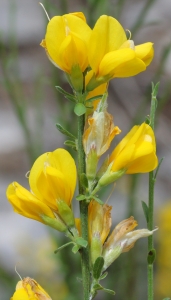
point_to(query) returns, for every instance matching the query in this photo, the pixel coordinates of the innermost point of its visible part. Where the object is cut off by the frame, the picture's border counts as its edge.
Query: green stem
(83, 212)
(151, 202)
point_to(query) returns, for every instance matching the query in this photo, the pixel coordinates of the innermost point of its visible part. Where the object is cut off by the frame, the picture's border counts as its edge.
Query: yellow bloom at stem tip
(52, 182)
(66, 41)
(112, 55)
(29, 289)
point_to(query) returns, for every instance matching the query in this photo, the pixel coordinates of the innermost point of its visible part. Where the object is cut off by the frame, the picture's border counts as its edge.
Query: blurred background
(29, 108)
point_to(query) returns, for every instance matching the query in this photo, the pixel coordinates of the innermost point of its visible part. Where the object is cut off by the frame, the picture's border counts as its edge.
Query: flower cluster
(73, 46)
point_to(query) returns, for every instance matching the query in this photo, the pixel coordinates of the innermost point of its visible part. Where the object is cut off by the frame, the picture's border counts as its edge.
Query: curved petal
(145, 52)
(130, 68)
(59, 28)
(114, 61)
(24, 203)
(63, 161)
(107, 35)
(143, 164)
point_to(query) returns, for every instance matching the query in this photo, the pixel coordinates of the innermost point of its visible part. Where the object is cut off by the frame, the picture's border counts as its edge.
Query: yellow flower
(111, 55)
(99, 223)
(66, 41)
(122, 239)
(29, 289)
(136, 153)
(52, 182)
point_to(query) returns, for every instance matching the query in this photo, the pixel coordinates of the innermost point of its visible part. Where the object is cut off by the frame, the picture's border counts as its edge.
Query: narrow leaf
(98, 266)
(109, 291)
(80, 197)
(64, 131)
(98, 200)
(94, 98)
(103, 276)
(71, 144)
(146, 210)
(66, 95)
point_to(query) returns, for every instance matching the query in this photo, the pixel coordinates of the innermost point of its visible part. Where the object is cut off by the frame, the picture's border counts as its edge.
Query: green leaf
(80, 197)
(68, 96)
(151, 256)
(64, 131)
(71, 144)
(103, 276)
(97, 286)
(98, 266)
(84, 180)
(75, 249)
(79, 109)
(146, 210)
(109, 291)
(94, 98)
(158, 167)
(155, 89)
(98, 200)
(81, 242)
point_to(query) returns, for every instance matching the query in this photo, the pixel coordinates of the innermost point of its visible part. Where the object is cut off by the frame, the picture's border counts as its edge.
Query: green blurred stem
(151, 202)
(83, 212)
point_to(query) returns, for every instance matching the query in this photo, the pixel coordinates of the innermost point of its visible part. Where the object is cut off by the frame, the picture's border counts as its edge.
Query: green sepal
(81, 242)
(145, 210)
(79, 109)
(98, 200)
(81, 197)
(151, 256)
(103, 276)
(94, 98)
(84, 180)
(65, 213)
(64, 131)
(56, 223)
(98, 266)
(71, 144)
(68, 96)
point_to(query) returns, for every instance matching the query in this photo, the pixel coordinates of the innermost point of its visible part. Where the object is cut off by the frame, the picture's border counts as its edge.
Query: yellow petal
(107, 35)
(114, 61)
(63, 161)
(61, 170)
(143, 164)
(58, 29)
(26, 204)
(130, 68)
(145, 52)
